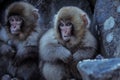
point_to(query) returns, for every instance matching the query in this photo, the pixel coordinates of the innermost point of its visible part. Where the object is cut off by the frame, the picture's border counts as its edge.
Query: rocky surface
(100, 69)
(107, 22)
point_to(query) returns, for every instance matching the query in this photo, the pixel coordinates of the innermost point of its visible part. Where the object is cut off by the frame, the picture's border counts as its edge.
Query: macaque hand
(78, 56)
(7, 50)
(66, 56)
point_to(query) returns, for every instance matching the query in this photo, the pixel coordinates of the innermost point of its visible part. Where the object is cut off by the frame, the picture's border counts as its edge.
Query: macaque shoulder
(89, 40)
(33, 38)
(48, 37)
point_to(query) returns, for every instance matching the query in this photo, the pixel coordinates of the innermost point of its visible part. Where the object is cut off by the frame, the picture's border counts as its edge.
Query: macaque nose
(14, 26)
(67, 31)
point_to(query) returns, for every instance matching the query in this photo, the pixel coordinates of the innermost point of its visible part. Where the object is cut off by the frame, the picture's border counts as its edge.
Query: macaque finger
(69, 59)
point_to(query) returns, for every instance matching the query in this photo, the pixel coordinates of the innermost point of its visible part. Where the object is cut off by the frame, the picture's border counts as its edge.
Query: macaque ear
(86, 20)
(36, 13)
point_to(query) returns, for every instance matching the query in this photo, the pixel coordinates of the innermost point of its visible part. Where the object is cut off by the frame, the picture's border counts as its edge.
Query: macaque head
(21, 18)
(70, 24)
(65, 30)
(15, 23)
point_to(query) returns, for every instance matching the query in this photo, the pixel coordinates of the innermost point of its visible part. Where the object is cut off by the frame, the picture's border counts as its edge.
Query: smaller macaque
(20, 38)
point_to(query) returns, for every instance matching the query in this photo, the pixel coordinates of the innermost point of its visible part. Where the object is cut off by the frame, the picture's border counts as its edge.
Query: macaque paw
(7, 50)
(67, 57)
(76, 57)
(19, 57)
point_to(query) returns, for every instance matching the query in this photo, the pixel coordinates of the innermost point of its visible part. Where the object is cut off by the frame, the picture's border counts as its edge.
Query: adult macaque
(21, 34)
(67, 43)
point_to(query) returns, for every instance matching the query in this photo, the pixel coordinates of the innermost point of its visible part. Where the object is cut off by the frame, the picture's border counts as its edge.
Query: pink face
(66, 30)
(15, 24)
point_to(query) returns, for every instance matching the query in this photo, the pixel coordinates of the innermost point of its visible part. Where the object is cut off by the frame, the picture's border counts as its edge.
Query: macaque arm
(51, 50)
(3, 35)
(25, 53)
(6, 50)
(29, 52)
(89, 48)
(86, 53)
(31, 44)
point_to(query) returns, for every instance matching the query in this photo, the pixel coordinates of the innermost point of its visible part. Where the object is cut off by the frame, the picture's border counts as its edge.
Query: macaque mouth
(15, 32)
(67, 40)
(67, 36)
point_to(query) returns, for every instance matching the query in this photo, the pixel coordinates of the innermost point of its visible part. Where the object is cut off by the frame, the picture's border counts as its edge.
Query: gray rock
(118, 9)
(100, 69)
(107, 18)
(6, 77)
(109, 23)
(109, 37)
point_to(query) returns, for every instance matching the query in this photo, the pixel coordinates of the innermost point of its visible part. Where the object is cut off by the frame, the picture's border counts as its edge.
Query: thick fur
(59, 58)
(25, 46)
(24, 10)
(74, 14)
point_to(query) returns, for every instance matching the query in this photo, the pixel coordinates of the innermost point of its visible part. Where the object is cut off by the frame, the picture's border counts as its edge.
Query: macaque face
(65, 30)
(15, 24)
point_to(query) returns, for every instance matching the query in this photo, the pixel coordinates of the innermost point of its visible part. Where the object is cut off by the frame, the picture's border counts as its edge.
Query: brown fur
(59, 58)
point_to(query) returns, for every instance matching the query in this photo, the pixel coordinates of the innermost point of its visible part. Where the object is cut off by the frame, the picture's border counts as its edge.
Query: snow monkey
(70, 41)
(21, 37)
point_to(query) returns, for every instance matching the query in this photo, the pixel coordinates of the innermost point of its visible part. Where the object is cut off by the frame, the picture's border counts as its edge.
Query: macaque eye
(69, 24)
(15, 18)
(11, 19)
(18, 18)
(61, 24)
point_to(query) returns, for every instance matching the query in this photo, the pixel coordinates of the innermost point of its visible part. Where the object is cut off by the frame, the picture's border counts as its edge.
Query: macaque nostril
(14, 27)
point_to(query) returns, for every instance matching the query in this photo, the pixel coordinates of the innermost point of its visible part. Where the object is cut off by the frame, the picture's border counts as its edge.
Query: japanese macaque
(21, 36)
(67, 43)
